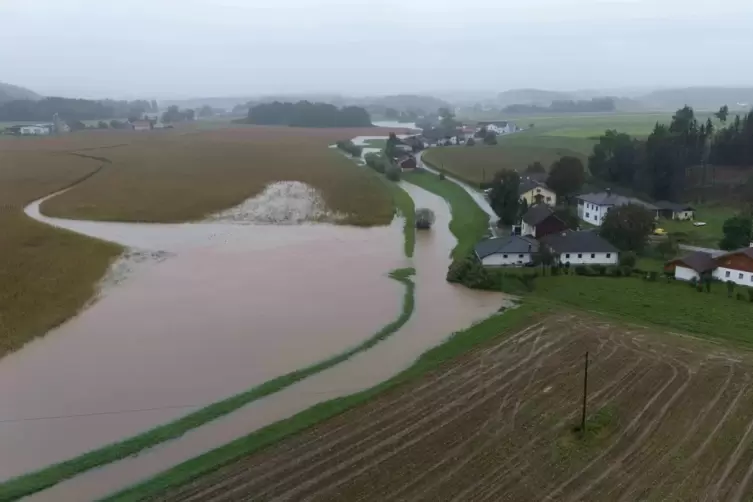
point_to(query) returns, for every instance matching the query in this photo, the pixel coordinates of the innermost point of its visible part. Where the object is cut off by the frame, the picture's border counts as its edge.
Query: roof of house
(510, 244)
(501, 123)
(612, 199)
(537, 213)
(528, 184)
(584, 241)
(746, 251)
(672, 206)
(698, 261)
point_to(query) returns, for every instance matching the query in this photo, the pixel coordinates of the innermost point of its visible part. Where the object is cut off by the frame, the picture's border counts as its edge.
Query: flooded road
(441, 308)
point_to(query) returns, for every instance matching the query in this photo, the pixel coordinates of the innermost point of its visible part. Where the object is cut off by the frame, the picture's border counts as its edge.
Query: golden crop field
(46, 274)
(171, 176)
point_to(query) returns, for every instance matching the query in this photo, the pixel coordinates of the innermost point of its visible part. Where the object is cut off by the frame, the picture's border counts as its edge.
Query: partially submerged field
(667, 421)
(166, 176)
(46, 274)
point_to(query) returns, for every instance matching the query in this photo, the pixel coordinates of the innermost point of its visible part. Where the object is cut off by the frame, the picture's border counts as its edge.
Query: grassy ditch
(49, 476)
(469, 222)
(456, 345)
(404, 204)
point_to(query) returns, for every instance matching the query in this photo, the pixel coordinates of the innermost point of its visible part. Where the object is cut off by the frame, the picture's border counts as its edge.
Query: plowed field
(670, 418)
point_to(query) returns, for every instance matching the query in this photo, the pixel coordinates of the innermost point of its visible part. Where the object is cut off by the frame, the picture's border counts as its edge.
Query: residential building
(407, 162)
(498, 127)
(534, 191)
(34, 130)
(692, 266)
(507, 251)
(581, 248)
(141, 125)
(540, 221)
(674, 211)
(735, 266)
(593, 207)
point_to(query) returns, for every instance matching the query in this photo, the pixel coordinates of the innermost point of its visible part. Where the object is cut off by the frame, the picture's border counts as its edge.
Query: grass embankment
(705, 236)
(49, 476)
(673, 305)
(407, 210)
(469, 223)
(177, 176)
(46, 274)
(456, 345)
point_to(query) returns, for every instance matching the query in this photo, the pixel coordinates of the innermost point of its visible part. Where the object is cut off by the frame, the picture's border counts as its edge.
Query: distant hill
(406, 102)
(13, 92)
(700, 98)
(537, 97)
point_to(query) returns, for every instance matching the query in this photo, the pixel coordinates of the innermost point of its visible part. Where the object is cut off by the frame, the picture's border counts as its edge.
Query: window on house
(609, 255)
(739, 276)
(580, 255)
(588, 215)
(504, 256)
(520, 256)
(726, 274)
(567, 255)
(549, 199)
(593, 255)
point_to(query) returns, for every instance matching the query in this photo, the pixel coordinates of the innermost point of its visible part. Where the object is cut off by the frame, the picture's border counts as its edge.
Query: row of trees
(73, 109)
(175, 114)
(307, 114)
(565, 106)
(733, 145)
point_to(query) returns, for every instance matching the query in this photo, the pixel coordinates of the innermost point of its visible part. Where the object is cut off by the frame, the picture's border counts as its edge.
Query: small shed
(675, 211)
(691, 266)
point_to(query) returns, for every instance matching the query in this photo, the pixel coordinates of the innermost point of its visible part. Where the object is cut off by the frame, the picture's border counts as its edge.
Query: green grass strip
(455, 345)
(405, 207)
(33, 482)
(469, 222)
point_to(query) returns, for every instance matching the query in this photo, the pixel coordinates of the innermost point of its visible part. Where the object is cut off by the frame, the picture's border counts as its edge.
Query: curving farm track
(497, 423)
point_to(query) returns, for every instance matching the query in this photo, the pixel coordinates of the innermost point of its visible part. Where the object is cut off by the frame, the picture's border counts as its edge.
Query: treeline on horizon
(658, 166)
(307, 114)
(565, 106)
(73, 109)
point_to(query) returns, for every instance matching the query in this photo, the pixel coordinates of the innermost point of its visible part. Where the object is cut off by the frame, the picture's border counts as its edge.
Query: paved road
(712, 252)
(476, 195)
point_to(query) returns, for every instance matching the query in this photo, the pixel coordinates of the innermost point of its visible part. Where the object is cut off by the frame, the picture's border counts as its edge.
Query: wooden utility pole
(585, 393)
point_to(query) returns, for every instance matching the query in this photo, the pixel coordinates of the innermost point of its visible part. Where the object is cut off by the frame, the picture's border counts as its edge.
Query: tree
(543, 257)
(390, 148)
(616, 158)
(737, 232)
(206, 111)
(667, 249)
(566, 176)
(481, 133)
(102, 125)
(424, 218)
(504, 197)
(447, 119)
(470, 142)
(722, 114)
(568, 216)
(522, 208)
(536, 168)
(189, 114)
(490, 138)
(627, 227)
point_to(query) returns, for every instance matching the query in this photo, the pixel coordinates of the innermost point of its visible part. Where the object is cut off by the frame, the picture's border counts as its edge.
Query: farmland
(173, 177)
(666, 421)
(46, 274)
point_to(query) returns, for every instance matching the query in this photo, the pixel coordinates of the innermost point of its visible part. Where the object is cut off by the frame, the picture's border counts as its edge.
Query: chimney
(609, 192)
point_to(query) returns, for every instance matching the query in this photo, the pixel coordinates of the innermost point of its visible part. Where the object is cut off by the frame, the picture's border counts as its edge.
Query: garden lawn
(706, 236)
(675, 305)
(469, 223)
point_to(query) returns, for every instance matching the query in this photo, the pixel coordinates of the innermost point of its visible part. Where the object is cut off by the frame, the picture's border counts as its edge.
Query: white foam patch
(282, 202)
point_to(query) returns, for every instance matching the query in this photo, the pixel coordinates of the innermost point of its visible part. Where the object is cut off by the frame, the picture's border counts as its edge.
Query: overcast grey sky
(189, 48)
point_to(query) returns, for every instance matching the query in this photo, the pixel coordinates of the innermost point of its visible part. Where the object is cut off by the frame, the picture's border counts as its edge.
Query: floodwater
(441, 309)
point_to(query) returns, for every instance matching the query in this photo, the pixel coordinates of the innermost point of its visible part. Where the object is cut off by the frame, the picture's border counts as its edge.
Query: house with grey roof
(540, 220)
(674, 210)
(509, 251)
(535, 191)
(593, 207)
(583, 247)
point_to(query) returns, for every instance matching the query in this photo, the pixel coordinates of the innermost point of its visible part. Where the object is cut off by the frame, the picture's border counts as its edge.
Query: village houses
(535, 192)
(593, 207)
(735, 266)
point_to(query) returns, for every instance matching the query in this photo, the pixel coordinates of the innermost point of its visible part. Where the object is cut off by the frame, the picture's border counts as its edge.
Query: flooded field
(441, 308)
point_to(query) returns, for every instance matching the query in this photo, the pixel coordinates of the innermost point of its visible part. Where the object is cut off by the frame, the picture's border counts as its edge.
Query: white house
(581, 248)
(593, 207)
(511, 251)
(35, 130)
(498, 127)
(692, 266)
(535, 192)
(674, 211)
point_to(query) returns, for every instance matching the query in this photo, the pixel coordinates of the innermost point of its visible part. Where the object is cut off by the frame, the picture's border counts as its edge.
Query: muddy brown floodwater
(217, 319)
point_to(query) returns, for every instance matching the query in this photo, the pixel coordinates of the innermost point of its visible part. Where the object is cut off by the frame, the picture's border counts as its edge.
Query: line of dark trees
(565, 106)
(658, 165)
(73, 109)
(307, 114)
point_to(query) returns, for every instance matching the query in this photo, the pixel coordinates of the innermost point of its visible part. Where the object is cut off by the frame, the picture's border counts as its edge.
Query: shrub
(740, 296)
(730, 288)
(627, 270)
(600, 269)
(393, 174)
(349, 147)
(555, 271)
(615, 272)
(441, 176)
(750, 295)
(652, 276)
(628, 259)
(581, 270)
(699, 288)
(424, 218)
(693, 282)
(470, 142)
